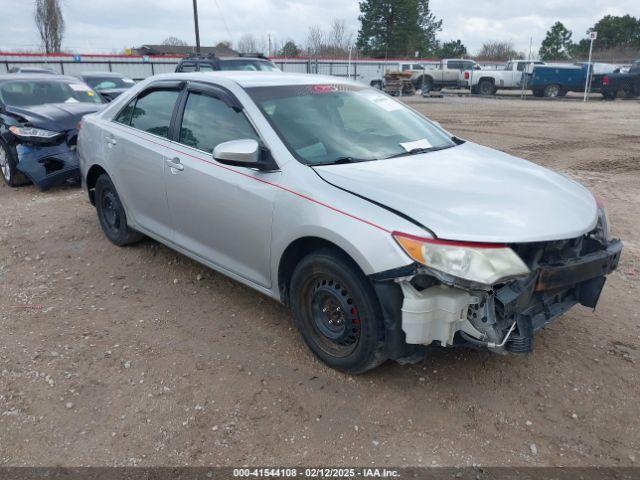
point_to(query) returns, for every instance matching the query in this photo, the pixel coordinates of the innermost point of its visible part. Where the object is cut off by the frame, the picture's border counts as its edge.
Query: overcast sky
(104, 26)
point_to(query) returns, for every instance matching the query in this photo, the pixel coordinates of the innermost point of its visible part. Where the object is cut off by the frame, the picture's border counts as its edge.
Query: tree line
(617, 36)
(396, 28)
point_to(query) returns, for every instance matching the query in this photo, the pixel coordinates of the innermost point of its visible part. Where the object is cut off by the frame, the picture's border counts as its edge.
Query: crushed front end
(439, 308)
(51, 161)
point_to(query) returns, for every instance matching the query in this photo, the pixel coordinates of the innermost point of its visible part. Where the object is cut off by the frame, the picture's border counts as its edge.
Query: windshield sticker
(382, 101)
(79, 87)
(409, 146)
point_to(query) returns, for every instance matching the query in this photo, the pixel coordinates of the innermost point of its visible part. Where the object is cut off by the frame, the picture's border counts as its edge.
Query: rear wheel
(337, 312)
(486, 88)
(111, 214)
(8, 167)
(553, 91)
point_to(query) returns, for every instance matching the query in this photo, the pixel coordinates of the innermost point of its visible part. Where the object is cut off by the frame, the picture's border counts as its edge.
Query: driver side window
(208, 121)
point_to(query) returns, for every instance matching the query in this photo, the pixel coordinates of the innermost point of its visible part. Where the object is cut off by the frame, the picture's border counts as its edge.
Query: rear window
(250, 65)
(40, 92)
(106, 83)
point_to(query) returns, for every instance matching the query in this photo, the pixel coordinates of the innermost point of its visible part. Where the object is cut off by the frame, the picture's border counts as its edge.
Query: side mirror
(244, 153)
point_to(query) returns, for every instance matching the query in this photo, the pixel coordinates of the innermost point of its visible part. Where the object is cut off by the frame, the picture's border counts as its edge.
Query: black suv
(209, 63)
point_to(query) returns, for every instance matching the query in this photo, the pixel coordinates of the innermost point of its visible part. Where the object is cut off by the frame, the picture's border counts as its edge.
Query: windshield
(40, 92)
(251, 65)
(107, 83)
(324, 124)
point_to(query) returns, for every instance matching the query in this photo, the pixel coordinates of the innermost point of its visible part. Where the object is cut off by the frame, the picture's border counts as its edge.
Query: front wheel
(427, 86)
(8, 167)
(337, 312)
(111, 214)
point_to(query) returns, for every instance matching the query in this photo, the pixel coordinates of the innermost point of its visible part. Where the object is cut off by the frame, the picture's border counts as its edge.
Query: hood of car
(473, 193)
(56, 117)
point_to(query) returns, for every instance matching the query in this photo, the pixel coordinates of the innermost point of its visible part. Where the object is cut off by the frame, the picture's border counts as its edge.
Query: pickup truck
(557, 80)
(622, 84)
(488, 82)
(446, 74)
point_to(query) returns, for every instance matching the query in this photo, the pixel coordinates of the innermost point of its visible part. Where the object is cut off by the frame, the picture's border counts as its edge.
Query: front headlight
(485, 263)
(601, 232)
(32, 133)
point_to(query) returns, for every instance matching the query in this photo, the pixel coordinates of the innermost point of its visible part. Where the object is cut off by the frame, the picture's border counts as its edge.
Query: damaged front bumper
(422, 307)
(48, 165)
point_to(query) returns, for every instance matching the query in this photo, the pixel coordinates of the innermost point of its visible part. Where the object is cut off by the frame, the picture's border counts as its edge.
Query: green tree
(452, 49)
(557, 45)
(289, 49)
(616, 31)
(397, 28)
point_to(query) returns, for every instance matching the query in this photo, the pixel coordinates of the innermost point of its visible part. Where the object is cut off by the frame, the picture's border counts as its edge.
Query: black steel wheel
(337, 312)
(111, 214)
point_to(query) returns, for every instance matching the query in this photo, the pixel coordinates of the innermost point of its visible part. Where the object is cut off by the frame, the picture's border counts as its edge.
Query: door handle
(111, 141)
(175, 164)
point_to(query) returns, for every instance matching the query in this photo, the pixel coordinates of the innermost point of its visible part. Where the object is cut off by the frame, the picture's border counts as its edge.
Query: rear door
(221, 214)
(136, 143)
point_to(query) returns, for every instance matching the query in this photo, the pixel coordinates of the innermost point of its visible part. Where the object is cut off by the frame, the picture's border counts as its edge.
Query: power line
(224, 21)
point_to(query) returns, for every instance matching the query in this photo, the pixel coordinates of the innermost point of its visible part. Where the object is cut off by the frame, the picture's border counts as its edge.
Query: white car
(382, 231)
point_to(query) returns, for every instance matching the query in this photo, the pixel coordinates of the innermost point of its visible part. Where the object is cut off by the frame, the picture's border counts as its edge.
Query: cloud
(114, 24)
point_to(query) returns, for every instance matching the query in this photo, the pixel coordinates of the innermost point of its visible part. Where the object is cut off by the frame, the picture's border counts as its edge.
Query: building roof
(220, 50)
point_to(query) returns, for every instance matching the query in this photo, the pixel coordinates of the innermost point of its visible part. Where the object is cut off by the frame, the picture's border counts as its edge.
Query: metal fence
(139, 68)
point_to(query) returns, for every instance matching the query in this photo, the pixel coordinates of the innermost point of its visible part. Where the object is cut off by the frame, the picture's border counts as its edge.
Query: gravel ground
(140, 356)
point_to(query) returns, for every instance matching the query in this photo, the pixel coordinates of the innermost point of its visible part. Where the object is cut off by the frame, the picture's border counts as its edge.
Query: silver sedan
(383, 232)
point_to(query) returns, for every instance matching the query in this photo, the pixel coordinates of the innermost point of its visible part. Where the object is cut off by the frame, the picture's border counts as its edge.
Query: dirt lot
(140, 356)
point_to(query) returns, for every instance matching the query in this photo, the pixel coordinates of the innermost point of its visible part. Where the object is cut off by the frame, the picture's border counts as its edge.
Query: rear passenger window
(208, 122)
(124, 116)
(152, 112)
(188, 67)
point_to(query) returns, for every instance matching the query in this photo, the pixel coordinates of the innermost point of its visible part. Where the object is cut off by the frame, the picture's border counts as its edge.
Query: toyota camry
(383, 232)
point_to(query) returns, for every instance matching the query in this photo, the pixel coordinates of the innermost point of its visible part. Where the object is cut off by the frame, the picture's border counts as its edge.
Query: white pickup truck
(446, 74)
(488, 82)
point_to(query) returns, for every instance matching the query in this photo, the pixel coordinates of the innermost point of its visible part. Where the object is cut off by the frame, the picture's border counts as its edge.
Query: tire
(8, 167)
(552, 91)
(427, 85)
(474, 90)
(111, 214)
(337, 312)
(486, 88)
(537, 92)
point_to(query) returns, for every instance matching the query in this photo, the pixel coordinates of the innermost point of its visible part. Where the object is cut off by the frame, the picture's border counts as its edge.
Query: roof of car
(36, 76)
(257, 79)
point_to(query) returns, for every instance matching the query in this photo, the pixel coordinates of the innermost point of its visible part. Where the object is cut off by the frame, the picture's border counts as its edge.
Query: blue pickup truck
(557, 80)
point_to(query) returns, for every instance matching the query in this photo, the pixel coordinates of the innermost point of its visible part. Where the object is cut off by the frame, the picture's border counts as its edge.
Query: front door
(220, 213)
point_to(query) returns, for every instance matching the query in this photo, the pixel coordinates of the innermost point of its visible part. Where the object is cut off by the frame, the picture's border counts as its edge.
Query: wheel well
(295, 252)
(487, 79)
(92, 177)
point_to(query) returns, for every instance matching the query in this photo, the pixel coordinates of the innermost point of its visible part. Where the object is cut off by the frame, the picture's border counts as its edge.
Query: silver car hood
(473, 193)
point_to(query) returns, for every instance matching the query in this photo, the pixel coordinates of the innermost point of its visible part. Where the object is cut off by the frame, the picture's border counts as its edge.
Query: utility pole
(195, 21)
